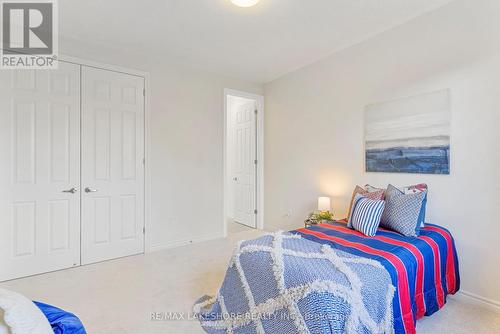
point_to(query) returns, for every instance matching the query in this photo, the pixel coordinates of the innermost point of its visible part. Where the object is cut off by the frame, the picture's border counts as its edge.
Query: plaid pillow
(413, 189)
(402, 211)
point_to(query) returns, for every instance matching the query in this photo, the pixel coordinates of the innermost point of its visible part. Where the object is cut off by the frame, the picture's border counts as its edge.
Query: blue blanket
(284, 284)
(62, 322)
(423, 269)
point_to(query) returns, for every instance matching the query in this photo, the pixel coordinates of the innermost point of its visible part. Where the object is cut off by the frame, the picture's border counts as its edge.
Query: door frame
(260, 156)
(147, 156)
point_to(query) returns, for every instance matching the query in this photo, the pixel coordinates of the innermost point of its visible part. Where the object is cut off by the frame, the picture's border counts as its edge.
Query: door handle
(235, 179)
(90, 190)
(71, 191)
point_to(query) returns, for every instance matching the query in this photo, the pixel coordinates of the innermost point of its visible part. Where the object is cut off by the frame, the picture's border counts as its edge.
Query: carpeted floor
(119, 296)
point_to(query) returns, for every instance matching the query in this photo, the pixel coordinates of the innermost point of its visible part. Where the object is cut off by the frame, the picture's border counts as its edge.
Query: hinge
(143, 230)
(144, 161)
(256, 111)
(255, 211)
(255, 161)
(144, 92)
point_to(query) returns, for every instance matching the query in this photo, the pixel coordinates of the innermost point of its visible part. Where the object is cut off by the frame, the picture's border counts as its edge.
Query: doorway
(243, 161)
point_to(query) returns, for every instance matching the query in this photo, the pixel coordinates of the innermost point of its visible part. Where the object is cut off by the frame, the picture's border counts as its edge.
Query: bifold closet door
(112, 165)
(39, 170)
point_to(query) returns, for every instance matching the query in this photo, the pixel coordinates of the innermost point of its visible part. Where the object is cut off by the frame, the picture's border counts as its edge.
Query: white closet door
(244, 164)
(40, 150)
(112, 165)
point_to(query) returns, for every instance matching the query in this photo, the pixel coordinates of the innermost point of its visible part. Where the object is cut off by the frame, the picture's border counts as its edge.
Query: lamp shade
(324, 204)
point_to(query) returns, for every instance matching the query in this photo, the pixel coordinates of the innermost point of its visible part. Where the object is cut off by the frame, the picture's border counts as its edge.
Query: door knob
(71, 191)
(90, 190)
(235, 178)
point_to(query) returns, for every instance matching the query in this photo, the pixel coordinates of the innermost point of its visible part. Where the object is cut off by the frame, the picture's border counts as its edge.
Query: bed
(424, 269)
(400, 280)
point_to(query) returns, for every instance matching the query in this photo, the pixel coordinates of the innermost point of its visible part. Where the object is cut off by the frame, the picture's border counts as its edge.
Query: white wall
(186, 149)
(314, 128)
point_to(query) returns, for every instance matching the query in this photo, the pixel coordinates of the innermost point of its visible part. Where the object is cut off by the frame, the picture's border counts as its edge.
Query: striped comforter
(423, 269)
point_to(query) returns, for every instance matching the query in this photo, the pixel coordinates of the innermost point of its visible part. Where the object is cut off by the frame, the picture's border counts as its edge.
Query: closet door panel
(40, 150)
(112, 165)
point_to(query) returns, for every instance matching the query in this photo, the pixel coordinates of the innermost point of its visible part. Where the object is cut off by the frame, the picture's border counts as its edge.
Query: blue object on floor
(62, 322)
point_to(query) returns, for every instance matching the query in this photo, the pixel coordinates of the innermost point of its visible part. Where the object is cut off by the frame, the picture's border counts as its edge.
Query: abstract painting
(410, 135)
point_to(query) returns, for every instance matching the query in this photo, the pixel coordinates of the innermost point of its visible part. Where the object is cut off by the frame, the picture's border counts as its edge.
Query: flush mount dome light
(245, 3)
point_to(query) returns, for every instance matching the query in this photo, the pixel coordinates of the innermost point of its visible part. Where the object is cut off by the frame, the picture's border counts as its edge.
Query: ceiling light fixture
(245, 3)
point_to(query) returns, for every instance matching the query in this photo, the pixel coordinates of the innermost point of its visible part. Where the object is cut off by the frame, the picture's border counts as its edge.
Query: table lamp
(324, 204)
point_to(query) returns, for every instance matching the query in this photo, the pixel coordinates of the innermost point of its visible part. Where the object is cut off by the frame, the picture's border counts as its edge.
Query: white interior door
(112, 165)
(40, 150)
(245, 164)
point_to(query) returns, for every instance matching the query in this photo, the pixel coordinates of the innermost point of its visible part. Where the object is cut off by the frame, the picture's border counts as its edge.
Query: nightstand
(312, 222)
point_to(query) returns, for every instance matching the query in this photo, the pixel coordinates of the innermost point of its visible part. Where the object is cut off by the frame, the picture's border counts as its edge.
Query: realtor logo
(29, 34)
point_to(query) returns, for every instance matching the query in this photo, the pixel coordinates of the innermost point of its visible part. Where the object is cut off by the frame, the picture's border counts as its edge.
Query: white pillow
(21, 315)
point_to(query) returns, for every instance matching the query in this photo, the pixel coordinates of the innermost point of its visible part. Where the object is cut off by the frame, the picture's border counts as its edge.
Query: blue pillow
(366, 214)
(421, 216)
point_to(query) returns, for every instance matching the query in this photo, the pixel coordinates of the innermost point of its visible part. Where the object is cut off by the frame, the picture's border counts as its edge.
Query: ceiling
(258, 44)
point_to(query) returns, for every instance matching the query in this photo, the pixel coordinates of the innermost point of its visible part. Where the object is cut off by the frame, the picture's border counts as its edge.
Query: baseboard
(479, 300)
(183, 242)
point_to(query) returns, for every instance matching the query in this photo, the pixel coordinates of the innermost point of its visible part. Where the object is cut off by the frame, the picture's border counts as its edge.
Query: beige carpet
(235, 227)
(119, 296)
